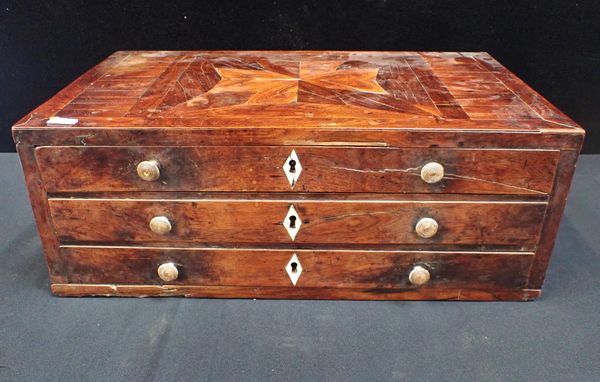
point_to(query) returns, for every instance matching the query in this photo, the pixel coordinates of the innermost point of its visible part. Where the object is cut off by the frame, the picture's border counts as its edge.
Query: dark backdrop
(553, 45)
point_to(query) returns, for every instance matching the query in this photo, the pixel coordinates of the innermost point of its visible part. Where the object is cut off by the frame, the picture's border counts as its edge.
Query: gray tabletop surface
(47, 338)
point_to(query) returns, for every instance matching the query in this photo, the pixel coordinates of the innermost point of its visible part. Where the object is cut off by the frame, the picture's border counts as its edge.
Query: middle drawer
(297, 221)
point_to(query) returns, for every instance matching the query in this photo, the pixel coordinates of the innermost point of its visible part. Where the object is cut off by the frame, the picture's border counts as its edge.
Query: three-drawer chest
(305, 175)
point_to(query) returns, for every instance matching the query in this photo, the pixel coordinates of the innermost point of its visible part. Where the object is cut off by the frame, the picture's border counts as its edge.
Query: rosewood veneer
(313, 174)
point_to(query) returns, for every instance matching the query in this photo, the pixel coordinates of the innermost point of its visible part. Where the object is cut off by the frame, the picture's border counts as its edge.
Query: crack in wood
(385, 170)
(414, 171)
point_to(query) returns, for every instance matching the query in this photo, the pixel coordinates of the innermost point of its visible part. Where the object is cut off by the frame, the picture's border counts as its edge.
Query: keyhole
(294, 267)
(293, 221)
(292, 164)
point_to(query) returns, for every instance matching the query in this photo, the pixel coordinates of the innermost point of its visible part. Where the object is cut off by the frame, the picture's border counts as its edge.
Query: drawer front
(298, 221)
(263, 267)
(314, 169)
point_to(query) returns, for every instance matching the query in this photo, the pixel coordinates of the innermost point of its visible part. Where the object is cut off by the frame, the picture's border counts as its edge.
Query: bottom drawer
(295, 268)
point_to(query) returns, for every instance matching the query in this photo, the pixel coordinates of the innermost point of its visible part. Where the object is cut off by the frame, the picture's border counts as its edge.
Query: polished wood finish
(39, 205)
(264, 267)
(544, 138)
(277, 89)
(209, 291)
(554, 213)
(326, 222)
(383, 141)
(68, 169)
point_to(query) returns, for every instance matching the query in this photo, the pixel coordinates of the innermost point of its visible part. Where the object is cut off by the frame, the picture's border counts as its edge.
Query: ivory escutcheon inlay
(294, 269)
(292, 222)
(292, 168)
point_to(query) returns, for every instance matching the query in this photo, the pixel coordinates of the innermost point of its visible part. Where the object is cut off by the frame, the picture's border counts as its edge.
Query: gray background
(556, 338)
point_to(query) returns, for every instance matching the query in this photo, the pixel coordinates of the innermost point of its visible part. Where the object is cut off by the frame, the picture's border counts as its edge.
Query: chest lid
(276, 89)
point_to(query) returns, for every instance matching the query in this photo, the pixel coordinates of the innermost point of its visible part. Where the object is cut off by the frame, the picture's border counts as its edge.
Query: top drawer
(299, 169)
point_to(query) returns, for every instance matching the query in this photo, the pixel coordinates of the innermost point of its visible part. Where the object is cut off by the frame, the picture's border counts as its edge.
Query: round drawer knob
(168, 272)
(160, 225)
(432, 172)
(148, 170)
(426, 228)
(418, 276)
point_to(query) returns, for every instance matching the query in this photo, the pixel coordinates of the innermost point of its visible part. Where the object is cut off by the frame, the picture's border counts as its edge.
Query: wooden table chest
(325, 175)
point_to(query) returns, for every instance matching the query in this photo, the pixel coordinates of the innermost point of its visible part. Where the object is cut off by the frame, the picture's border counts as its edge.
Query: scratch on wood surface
(415, 171)
(464, 177)
(27, 121)
(82, 138)
(381, 171)
(370, 213)
(336, 143)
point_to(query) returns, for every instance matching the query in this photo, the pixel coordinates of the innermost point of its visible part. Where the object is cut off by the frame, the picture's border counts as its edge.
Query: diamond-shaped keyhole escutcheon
(294, 269)
(292, 168)
(292, 222)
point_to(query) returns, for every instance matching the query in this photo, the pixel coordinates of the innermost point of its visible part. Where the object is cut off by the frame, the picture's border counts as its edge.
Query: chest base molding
(109, 290)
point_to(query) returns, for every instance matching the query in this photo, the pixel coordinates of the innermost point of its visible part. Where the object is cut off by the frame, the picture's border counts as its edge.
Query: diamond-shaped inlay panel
(294, 269)
(292, 222)
(292, 168)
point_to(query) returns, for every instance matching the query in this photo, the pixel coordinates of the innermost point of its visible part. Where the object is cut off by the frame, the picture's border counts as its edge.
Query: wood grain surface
(299, 89)
(320, 222)
(76, 290)
(220, 126)
(266, 267)
(339, 169)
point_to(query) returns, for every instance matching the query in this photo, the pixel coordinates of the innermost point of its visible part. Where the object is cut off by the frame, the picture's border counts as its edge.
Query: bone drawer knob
(432, 172)
(418, 275)
(168, 272)
(426, 228)
(160, 225)
(148, 170)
